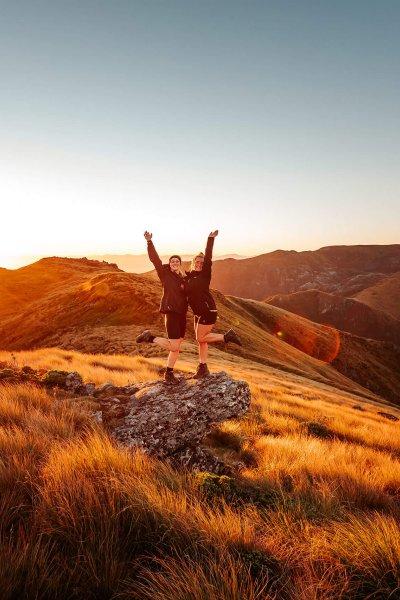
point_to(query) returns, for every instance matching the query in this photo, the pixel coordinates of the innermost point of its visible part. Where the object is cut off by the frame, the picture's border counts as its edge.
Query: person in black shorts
(203, 306)
(173, 305)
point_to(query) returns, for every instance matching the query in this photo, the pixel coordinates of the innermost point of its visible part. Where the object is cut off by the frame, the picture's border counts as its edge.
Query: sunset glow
(275, 126)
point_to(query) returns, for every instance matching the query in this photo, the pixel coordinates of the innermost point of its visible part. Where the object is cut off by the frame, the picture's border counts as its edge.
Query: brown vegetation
(314, 513)
(384, 296)
(345, 314)
(94, 307)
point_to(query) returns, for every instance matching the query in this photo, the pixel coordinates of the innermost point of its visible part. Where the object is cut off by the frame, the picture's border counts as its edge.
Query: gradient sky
(276, 122)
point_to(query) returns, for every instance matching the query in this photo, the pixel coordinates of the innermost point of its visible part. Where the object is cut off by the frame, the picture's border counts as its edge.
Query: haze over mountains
(96, 307)
(140, 263)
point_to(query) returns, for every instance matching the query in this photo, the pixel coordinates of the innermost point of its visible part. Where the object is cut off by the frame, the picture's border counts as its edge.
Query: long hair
(199, 255)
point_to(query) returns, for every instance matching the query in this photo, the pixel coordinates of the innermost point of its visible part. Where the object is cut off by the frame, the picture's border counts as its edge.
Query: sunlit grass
(316, 517)
(118, 369)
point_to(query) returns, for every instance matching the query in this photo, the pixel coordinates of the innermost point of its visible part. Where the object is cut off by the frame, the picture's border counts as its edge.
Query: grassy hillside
(94, 307)
(385, 295)
(314, 513)
(345, 314)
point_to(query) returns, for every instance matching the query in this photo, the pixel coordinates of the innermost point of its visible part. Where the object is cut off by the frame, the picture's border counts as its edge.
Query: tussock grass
(118, 369)
(314, 515)
(74, 503)
(218, 578)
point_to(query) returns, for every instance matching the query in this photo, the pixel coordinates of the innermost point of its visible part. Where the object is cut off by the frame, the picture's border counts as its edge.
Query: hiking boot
(145, 336)
(170, 378)
(202, 371)
(232, 336)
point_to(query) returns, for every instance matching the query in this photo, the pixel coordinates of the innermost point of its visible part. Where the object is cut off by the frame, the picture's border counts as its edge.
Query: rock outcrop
(171, 421)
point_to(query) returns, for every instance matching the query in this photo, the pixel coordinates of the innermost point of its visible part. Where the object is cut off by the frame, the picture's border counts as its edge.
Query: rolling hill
(385, 295)
(343, 313)
(95, 307)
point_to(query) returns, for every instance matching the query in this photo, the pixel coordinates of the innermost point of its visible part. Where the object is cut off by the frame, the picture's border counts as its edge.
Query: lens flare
(319, 341)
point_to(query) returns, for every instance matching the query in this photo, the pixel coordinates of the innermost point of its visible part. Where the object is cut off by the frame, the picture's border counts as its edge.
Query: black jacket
(198, 284)
(174, 289)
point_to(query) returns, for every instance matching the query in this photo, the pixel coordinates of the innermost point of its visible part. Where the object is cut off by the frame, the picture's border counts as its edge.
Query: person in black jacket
(203, 306)
(173, 305)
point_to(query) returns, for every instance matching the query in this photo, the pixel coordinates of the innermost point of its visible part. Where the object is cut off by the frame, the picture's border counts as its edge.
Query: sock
(170, 369)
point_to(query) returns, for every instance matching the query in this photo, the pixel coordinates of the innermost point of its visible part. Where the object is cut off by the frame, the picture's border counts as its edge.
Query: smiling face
(174, 264)
(198, 263)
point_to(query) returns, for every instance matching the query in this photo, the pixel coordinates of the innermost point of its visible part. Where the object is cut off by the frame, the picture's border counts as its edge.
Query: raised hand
(213, 234)
(148, 236)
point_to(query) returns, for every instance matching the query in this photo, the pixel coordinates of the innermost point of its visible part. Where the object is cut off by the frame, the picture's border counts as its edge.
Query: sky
(275, 122)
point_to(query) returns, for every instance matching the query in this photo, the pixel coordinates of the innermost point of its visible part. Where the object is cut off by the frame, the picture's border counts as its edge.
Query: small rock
(130, 389)
(7, 374)
(90, 388)
(105, 389)
(388, 416)
(73, 381)
(55, 378)
(98, 416)
(114, 412)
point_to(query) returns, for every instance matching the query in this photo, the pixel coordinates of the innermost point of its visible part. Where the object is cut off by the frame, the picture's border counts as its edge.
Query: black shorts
(208, 318)
(175, 325)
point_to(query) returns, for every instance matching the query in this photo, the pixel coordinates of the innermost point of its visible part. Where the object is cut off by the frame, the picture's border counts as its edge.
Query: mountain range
(95, 307)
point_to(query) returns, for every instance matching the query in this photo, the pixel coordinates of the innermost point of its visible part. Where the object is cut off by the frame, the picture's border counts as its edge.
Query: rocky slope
(343, 270)
(343, 313)
(384, 295)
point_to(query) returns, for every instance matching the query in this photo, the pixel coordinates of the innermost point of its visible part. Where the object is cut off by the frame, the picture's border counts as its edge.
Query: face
(198, 263)
(174, 264)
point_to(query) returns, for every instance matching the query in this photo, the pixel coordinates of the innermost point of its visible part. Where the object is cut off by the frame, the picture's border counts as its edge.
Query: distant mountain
(140, 263)
(344, 270)
(385, 295)
(342, 313)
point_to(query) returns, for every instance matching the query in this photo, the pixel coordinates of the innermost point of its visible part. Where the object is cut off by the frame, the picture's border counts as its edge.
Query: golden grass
(314, 515)
(118, 369)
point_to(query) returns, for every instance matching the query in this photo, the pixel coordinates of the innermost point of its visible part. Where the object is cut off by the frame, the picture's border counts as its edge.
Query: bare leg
(213, 337)
(175, 346)
(203, 352)
(204, 334)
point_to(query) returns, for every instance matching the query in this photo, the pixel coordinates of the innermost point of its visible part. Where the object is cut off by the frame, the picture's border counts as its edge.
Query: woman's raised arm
(153, 255)
(208, 252)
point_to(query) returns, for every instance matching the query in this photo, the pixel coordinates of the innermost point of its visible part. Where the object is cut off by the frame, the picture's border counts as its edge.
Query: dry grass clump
(221, 577)
(118, 369)
(79, 515)
(314, 515)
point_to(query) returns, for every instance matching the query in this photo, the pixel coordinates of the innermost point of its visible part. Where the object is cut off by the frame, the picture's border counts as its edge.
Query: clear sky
(276, 122)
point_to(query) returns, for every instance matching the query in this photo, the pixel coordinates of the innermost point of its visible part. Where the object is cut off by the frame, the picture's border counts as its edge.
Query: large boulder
(170, 422)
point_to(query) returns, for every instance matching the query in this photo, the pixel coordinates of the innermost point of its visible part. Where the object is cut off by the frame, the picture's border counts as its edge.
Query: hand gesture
(148, 236)
(213, 234)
